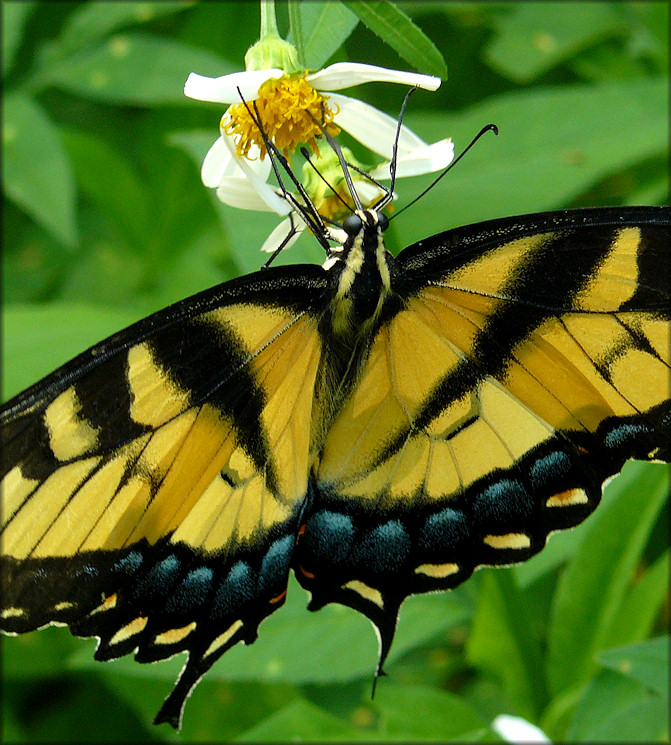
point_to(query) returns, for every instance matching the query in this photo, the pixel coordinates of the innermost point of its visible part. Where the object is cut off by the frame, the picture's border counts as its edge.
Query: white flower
(291, 109)
(518, 730)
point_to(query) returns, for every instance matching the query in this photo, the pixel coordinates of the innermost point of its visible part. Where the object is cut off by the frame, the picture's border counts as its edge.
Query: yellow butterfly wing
(521, 363)
(152, 488)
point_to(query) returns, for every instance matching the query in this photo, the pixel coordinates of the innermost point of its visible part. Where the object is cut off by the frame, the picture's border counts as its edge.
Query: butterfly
(381, 426)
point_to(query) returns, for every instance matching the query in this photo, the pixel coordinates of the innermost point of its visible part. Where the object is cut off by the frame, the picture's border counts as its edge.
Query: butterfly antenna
(343, 164)
(292, 232)
(490, 127)
(368, 177)
(307, 210)
(384, 201)
(306, 154)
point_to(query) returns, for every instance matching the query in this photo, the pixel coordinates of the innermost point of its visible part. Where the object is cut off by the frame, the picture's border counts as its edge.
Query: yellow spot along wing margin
(153, 487)
(524, 361)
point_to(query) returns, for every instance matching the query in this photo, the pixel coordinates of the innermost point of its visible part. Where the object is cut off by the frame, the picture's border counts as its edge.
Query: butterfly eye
(382, 221)
(352, 224)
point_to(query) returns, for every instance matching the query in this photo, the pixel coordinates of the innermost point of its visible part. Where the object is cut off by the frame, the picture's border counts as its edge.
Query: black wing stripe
(115, 406)
(506, 327)
(654, 269)
(235, 395)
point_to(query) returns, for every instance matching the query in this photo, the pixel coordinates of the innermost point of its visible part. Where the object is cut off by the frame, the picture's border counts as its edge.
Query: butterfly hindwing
(153, 487)
(528, 359)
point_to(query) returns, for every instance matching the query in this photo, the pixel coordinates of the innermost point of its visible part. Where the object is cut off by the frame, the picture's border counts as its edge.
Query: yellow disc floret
(290, 111)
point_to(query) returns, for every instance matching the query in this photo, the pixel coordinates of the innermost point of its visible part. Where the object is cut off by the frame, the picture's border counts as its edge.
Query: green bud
(272, 52)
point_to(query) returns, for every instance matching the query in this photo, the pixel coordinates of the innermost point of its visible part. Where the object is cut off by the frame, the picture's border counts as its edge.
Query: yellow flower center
(290, 111)
(331, 208)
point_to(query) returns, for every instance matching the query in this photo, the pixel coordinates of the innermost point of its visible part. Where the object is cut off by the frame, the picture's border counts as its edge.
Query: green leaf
(304, 721)
(558, 550)
(36, 655)
(326, 26)
(415, 713)
(341, 642)
(127, 203)
(37, 339)
(640, 608)
(135, 69)
(544, 157)
(395, 28)
(615, 708)
(593, 586)
(93, 21)
(296, 35)
(36, 172)
(647, 662)
(503, 642)
(532, 38)
(14, 18)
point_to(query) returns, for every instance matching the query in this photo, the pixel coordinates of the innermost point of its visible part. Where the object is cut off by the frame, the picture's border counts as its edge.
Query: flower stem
(268, 19)
(296, 26)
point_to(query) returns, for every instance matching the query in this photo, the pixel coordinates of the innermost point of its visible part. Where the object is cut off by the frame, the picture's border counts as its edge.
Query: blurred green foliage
(105, 220)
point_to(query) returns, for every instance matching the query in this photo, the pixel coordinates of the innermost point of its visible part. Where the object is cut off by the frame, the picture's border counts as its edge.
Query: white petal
(241, 193)
(428, 159)
(518, 730)
(253, 162)
(242, 182)
(221, 162)
(225, 88)
(216, 163)
(275, 202)
(373, 128)
(368, 192)
(273, 241)
(346, 74)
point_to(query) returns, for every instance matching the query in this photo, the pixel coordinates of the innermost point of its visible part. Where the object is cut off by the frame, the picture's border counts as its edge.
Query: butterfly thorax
(361, 274)
(360, 282)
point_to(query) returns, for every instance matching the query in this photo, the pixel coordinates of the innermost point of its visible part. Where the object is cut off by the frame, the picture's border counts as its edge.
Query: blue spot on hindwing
(549, 469)
(328, 536)
(624, 436)
(503, 502)
(129, 564)
(275, 566)
(383, 549)
(191, 592)
(235, 590)
(158, 581)
(446, 530)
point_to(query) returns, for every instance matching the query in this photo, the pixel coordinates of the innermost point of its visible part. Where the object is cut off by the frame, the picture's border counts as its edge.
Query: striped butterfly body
(381, 426)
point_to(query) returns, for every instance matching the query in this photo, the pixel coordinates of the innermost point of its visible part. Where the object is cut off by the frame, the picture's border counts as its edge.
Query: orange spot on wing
(278, 598)
(305, 572)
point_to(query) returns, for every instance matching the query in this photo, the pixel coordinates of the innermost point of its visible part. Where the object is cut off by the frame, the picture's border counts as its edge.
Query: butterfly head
(359, 237)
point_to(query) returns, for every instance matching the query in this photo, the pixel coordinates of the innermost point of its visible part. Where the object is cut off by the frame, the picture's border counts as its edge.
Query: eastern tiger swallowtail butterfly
(381, 426)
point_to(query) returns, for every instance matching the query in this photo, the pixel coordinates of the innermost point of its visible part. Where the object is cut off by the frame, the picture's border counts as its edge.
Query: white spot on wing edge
(567, 498)
(12, 613)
